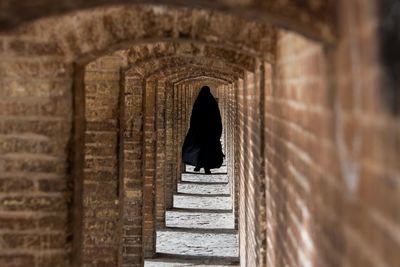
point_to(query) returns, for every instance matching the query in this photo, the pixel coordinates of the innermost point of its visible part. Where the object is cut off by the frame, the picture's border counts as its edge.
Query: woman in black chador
(202, 146)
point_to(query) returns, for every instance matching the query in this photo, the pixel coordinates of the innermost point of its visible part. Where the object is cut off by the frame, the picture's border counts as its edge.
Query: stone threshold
(200, 210)
(204, 183)
(199, 231)
(202, 195)
(204, 260)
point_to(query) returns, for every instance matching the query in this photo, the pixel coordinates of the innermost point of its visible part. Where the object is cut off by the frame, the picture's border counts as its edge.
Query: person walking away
(202, 146)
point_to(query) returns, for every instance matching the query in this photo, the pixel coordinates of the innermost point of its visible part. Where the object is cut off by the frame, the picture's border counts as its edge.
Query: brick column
(149, 166)
(170, 185)
(269, 169)
(249, 87)
(176, 173)
(35, 131)
(132, 172)
(160, 153)
(101, 180)
(242, 184)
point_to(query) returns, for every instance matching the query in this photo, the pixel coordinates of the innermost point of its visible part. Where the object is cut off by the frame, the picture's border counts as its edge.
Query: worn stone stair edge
(202, 195)
(197, 244)
(200, 210)
(203, 183)
(199, 231)
(215, 178)
(166, 263)
(223, 170)
(206, 174)
(203, 189)
(190, 202)
(214, 173)
(206, 260)
(196, 259)
(194, 220)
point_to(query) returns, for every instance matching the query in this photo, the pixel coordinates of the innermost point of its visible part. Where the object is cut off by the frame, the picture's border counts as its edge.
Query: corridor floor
(200, 228)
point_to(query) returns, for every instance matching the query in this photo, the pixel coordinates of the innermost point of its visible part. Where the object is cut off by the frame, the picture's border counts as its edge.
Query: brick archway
(144, 71)
(158, 96)
(150, 51)
(312, 148)
(76, 37)
(312, 19)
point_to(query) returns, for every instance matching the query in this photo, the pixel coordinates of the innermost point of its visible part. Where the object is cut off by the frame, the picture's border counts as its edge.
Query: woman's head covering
(204, 91)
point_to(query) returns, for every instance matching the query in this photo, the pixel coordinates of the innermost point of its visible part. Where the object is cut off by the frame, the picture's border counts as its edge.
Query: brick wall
(160, 154)
(101, 173)
(250, 180)
(240, 158)
(367, 138)
(132, 172)
(149, 166)
(298, 130)
(231, 145)
(35, 189)
(170, 164)
(328, 139)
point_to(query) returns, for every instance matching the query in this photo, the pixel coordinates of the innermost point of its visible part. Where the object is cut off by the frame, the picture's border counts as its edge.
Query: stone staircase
(200, 228)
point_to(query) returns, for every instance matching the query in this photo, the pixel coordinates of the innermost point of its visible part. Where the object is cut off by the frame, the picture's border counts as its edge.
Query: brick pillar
(176, 174)
(248, 164)
(184, 109)
(183, 118)
(257, 143)
(242, 184)
(132, 172)
(101, 180)
(170, 185)
(35, 187)
(303, 204)
(160, 154)
(265, 84)
(231, 144)
(269, 169)
(179, 127)
(149, 166)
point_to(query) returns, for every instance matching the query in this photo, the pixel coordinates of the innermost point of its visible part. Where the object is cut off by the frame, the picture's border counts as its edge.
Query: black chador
(202, 146)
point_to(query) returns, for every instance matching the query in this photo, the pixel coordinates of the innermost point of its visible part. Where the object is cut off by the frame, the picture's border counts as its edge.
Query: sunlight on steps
(200, 228)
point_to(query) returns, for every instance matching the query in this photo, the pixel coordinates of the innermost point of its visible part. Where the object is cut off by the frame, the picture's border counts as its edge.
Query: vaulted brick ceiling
(312, 17)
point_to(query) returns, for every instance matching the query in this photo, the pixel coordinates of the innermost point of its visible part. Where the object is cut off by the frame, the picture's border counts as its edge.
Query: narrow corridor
(200, 228)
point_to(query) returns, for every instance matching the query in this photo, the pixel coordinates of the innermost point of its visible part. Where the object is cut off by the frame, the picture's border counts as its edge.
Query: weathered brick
(56, 259)
(24, 48)
(52, 223)
(17, 223)
(33, 241)
(17, 184)
(22, 163)
(17, 260)
(53, 185)
(41, 127)
(37, 203)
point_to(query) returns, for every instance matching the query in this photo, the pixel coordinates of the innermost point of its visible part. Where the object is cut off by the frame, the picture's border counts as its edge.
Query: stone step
(203, 188)
(221, 243)
(222, 169)
(199, 219)
(211, 202)
(205, 178)
(172, 262)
